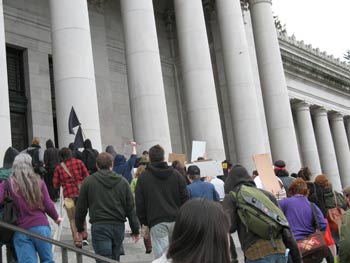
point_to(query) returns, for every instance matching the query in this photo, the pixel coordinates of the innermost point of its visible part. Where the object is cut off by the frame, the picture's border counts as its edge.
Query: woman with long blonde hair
(31, 203)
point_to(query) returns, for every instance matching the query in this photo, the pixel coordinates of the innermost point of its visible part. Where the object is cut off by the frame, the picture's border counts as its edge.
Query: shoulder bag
(8, 216)
(313, 247)
(335, 216)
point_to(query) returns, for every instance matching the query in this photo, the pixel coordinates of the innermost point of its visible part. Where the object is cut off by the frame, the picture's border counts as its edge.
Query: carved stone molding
(209, 8)
(169, 20)
(97, 3)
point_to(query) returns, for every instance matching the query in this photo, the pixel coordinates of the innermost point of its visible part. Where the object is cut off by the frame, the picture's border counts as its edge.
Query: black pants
(53, 192)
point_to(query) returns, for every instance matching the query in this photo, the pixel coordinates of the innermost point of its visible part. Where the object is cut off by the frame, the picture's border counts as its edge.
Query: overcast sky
(323, 23)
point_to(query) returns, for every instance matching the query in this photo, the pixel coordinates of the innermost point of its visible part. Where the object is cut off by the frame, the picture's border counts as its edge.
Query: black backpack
(91, 160)
(38, 166)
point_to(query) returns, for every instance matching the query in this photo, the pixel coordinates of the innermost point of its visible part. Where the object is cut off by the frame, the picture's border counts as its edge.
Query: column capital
(253, 2)
(319, 111)
(300, 106)
(336, 116)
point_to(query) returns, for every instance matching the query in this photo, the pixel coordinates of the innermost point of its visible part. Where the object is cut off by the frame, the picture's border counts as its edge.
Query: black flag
(79, 140)
(72, 121)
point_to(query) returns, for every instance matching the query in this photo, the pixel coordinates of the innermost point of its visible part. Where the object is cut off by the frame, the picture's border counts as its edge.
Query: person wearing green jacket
(108, 198)
(5, 173)
(344, 243)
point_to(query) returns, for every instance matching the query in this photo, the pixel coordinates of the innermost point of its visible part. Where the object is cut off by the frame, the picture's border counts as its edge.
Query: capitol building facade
(170, 72)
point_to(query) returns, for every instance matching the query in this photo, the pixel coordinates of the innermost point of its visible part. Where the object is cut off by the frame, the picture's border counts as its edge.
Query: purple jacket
(28, 217)
(299, 214)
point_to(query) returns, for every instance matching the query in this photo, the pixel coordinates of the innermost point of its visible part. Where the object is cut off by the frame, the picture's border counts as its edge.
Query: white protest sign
(198, 149)
(208, 168)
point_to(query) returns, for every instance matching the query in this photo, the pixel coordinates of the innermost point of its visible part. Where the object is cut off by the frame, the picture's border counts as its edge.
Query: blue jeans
(161, 235)
(107, 239)
(27, 247)
(275, 258)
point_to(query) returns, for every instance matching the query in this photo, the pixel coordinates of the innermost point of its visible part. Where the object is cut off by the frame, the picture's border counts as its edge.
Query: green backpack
(258, 213)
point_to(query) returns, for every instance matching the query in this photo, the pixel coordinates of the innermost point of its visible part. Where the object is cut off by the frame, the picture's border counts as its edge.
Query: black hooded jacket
(108, 198)
(159, 193)
(51, 156)
(9, 157)
(237, 177)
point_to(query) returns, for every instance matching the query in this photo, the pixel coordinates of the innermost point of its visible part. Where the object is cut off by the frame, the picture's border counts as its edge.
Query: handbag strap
(7, 189)
(335, 199)
(314, 214)
(64, 166)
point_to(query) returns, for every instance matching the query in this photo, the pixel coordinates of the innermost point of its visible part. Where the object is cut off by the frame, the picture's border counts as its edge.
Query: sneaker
(85, 243)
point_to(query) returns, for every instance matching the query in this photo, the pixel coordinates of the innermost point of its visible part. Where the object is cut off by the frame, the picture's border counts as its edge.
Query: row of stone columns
(75, 84)
(324, 145)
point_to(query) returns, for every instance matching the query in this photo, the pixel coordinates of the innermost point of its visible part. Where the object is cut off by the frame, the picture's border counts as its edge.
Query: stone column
(308, 146)
(248, 134)
(273, 84)
(347, 125)
(341, 147)
(5, 124)
(74, 69)
(145, 80)
(326, 147)
(198, 79)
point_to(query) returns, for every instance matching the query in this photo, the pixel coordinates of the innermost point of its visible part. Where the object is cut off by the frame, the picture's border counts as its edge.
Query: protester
(145, 229)
(31, 203)
(200, 234)
(51, 159)
(181, 168)
(138, 172)
(315, 191)
(36, 152)
(218, 185)
(326, 194)
(88, 156)
(122, 166)
(110, 149)
(109, 200)
(256, 248)
(70, 174)
(9, 157)
(5, 173)
(305, 174)
(299, 211)
(282, 173)
(164, 186)
(198, 188)
(344, 243)
(142, 159)
(226, 168)
(75, 151)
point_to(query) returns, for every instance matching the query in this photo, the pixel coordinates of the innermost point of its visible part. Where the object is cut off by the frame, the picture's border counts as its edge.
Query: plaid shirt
(69, 184)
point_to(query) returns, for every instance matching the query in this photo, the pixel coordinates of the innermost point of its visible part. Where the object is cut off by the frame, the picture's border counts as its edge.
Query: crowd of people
(183, 216)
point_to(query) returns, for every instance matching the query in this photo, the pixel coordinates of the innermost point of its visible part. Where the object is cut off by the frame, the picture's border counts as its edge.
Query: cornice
(314, 51)
(308, 66)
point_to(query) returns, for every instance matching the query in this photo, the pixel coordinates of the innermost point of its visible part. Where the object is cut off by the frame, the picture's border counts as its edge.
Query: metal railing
(64, 247)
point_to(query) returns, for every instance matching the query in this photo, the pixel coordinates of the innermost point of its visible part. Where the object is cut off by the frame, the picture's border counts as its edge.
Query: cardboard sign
(177, 156)
(198, 149)
(266, 173)
(208, 168)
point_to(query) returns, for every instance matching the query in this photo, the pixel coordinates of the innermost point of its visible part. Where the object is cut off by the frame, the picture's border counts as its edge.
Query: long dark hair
(200, 234)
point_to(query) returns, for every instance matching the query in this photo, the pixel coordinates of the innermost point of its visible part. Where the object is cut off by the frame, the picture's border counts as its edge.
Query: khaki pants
(69, 204)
